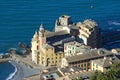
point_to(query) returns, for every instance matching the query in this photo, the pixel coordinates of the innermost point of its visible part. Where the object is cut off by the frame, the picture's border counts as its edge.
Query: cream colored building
(75, 48)
(103, 64)
(62, 22)
(90, 33)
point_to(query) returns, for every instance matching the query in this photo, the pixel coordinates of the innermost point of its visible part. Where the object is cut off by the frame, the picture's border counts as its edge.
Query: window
(37, 47)
(96, 66)
(73, 48)
(37, 41)
(84, 64)
(81, 65)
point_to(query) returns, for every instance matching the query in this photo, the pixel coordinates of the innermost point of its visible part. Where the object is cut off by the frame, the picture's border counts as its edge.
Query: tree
(94, 76)
(111, 74)
(102, 76)
(116, 69)
(79, 78)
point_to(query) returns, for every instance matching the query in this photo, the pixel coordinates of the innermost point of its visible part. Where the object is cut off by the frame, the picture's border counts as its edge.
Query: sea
(19, 19)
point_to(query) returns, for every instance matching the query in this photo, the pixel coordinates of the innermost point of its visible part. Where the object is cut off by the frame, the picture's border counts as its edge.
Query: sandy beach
(23, 71)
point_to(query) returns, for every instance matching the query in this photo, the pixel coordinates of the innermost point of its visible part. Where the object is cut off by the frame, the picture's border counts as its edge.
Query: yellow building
(46, 49)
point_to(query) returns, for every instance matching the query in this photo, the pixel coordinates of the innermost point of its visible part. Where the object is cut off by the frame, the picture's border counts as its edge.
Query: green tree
(102, 76)
(111, 74)
(94, 75)
(116, 69)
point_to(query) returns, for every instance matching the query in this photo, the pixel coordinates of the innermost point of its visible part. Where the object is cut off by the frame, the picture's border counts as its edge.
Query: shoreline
(21, 71)
(14, 73)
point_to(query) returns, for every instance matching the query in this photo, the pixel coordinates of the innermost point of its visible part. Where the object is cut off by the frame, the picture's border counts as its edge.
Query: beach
(22, 71)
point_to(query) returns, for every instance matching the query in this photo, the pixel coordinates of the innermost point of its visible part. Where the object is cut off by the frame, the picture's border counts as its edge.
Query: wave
(114, 23)
(12, 74)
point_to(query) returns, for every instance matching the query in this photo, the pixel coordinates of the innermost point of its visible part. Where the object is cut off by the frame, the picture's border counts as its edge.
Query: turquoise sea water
(20, 18)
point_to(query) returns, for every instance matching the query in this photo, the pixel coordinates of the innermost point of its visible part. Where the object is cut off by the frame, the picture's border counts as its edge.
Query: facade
(90, 33)
(74, 48)
(42, 52)
(84, 60)
(103, 64)
(62, 22)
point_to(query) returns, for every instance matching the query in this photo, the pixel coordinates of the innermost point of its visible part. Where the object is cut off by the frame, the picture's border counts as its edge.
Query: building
(103, 64)
(45, 50)
(88, 30)
(55, 73)
(90, 33)
(84, 60)
(63, 21)
(48, 47)
(74, 48)
(67, 73)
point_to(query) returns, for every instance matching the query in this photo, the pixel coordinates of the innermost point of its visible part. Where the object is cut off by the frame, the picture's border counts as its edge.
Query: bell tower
(42, 37)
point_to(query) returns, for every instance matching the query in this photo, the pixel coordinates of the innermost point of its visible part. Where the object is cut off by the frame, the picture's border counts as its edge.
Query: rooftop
(91, 54)
(58, 40)
(89, 24)
(65, 16)
(106, 62)
(70, 72)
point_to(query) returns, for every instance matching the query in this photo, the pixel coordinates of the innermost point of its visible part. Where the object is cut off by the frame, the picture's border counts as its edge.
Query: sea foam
(114, 23)
(12, 74)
